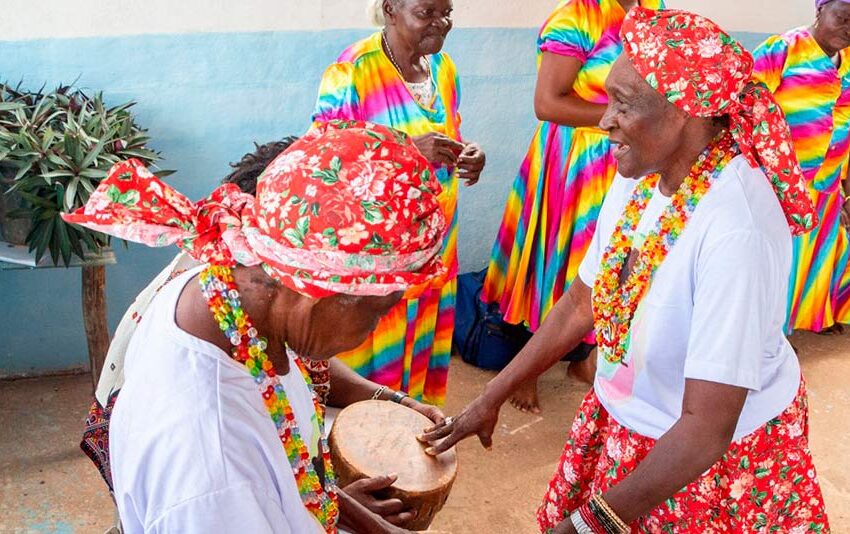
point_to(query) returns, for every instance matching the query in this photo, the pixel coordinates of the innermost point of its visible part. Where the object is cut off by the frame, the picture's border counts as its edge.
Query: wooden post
(94, 317)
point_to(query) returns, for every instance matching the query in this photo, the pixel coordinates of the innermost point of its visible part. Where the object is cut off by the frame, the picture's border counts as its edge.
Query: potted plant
(55, 147)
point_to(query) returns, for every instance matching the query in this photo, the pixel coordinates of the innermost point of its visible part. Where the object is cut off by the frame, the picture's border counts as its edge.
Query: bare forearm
(699, 438)
(568, 110)
(347, 387)
(677, 459)
(565, 326)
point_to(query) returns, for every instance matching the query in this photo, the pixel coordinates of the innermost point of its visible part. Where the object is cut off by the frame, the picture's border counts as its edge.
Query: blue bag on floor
(480, 336)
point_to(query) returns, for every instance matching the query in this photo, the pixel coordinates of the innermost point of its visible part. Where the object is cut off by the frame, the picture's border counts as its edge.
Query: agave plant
(55, 147)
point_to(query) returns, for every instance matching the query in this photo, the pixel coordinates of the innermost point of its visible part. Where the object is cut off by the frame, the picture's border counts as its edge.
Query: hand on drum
(478, 418)
(364, 490)
(431, 412)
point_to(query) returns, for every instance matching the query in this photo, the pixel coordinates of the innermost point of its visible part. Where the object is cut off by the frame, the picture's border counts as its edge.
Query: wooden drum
(373, 438)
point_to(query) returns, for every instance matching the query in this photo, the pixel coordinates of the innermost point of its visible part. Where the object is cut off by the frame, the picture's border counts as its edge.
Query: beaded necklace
(615, 303)
(222, 296)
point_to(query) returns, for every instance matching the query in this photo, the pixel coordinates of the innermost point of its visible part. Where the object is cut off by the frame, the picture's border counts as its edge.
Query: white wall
(36, 19)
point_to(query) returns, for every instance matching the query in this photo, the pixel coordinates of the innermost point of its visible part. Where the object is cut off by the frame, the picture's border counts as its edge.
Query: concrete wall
(211, 77)
(25, 19)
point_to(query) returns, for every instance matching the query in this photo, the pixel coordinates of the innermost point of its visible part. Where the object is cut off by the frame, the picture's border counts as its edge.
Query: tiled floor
(48, 485)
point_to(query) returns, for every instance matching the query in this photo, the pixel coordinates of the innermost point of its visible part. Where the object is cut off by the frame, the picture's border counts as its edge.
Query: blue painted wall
(205, 99)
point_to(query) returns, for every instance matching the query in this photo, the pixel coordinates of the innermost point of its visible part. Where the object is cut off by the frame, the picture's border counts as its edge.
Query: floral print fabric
(350, 208)
(706, 73)
(766, 482)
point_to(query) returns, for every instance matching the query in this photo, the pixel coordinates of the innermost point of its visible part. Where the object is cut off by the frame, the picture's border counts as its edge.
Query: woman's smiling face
(643, 127)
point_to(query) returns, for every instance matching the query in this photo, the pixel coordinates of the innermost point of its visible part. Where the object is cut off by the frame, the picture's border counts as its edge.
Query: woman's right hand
(391, 510)
(438, 148)
(478, 418)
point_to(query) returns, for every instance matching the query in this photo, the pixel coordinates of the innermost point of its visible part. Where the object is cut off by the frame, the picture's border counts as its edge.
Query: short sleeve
(338, 98)
(770, 57)
(570, 29)
(234, 509)
(736, 283)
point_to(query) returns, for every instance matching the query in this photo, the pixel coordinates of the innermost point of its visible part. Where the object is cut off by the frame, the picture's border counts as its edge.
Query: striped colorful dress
(411, 347)
(552, 208)
(815, 96)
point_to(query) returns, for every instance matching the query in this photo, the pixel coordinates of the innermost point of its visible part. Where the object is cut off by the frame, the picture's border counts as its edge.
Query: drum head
(379, 438)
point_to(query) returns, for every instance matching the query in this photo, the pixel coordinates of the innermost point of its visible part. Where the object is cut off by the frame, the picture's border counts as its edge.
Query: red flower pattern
(349, 208)
(765, 482)
(706, 73)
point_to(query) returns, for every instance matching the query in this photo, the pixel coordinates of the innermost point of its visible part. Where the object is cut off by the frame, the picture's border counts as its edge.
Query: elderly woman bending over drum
(697, 421)
(217, 428)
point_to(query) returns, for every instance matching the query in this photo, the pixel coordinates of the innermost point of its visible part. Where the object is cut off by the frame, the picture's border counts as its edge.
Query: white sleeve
(735, 281)
(235, 509)
(589, 266)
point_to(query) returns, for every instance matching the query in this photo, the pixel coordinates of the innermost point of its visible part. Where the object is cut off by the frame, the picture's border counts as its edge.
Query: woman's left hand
(470, 163)
(431, 412)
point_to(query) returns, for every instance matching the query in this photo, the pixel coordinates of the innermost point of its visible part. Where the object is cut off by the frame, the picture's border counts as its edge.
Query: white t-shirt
(714, 311)
(192, 446)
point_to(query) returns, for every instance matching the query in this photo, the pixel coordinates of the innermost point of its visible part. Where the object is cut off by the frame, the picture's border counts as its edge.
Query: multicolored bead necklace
(222, 296)
(614, 304)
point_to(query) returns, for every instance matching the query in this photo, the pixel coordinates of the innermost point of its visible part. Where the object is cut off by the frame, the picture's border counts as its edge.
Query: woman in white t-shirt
(217, 428)
(697, 421)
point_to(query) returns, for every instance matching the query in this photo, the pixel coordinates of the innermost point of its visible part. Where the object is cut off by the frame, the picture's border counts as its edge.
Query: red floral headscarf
(349, 208)
(706, 73)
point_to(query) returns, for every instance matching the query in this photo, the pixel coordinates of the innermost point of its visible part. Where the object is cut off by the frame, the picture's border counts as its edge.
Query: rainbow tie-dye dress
(411, 346)
(552, 208)
(815, 96)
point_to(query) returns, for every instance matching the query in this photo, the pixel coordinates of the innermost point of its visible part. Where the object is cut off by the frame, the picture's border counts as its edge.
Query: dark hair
(251, 166)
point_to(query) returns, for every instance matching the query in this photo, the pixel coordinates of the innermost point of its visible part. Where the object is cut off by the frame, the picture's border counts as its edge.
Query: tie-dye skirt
(819, 295)
(411, 347)
(548, 222)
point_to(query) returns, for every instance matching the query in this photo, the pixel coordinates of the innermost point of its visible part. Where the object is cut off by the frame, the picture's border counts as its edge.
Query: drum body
(373, 438)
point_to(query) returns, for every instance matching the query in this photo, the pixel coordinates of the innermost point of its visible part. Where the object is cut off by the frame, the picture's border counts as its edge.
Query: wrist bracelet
(398, 396)
(379, 392)
(591, 520)
(608, 519)
(579, 524)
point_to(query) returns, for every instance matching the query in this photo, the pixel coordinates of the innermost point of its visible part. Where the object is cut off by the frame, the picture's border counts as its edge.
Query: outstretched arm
(565, 326)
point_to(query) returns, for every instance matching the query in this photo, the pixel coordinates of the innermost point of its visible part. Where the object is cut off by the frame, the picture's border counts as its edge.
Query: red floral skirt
(765, 482)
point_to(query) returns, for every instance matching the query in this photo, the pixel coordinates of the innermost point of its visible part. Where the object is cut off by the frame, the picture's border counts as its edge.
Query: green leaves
(55, 148)
(372, 212)
(297, 235)
(330, 176)
(330, 235)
